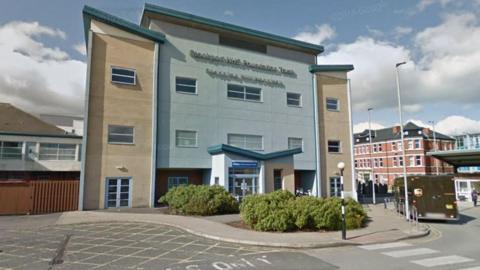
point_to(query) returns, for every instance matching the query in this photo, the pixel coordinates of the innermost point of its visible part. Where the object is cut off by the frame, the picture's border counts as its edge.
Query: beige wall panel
(334, 125)
(117, 104)
(286, 165)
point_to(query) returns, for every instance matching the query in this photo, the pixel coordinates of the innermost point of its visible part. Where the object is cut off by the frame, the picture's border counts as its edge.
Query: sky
(43, 69)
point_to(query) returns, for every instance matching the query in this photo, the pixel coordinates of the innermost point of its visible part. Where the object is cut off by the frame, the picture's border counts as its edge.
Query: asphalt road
(150, 246)
(451, 245)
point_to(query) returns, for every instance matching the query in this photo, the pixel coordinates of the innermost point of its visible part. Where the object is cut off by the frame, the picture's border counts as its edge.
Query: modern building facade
(385, 153)
(182, 99)
(31, 149)
(467, 177)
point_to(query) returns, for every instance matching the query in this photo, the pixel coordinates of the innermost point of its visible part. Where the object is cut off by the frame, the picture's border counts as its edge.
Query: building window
(334, 147)
(380, 148)
(294, 99)
(277, 179)
(295, 143)
(186, 138)
(244, 92)
(375, 149)
(375, 163)
(417, 144)
(11, 150)
(335, 187)
(120, 134)
(418, 161)
(356, 163)
(399, 145)
(400, 161)
(332, 104)
(123, 75)
(381, 162)
(57, 151)
(251, 142)
(185, 85)
(410, 144)
(394, 146)
(394, 162)
(411, 161)
(176, 181)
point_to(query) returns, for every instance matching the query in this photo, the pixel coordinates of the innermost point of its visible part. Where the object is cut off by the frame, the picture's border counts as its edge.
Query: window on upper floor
(57, 151)
(251, 142)
(185, 85)
(11, 150)
(123, 75)
(295, 143)
(380, 162)
(400, 161)
(120, 134)
(417, 144)
(186, 138)
(394, 146)
(380, 147)
(243, 92)
(394, 162)
(294, 99)
(410, 144)
(334, 146)
(418, 161)
(332, 104)
(411, 161)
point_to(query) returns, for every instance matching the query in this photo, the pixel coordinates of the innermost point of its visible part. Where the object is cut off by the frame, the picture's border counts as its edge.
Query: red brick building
(385, 152)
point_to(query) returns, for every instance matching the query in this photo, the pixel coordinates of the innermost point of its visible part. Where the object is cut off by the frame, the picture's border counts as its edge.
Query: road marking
(410, 252)
(445, 260)
(472, 268)
(385, 246)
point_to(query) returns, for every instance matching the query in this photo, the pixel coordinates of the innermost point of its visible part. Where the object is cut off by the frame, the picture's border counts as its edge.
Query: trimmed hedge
(200, 200)
(282, 211)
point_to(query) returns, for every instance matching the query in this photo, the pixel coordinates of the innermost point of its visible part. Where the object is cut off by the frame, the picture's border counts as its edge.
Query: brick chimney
(396, 129)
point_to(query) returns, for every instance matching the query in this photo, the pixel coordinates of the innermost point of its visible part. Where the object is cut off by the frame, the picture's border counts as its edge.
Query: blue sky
(372, 35)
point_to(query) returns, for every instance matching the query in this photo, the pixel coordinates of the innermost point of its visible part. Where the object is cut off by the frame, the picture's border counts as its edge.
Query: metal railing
(399, 208)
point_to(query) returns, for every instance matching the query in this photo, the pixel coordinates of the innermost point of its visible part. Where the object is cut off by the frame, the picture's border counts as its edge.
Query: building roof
(330, 68)
(14, 121)
(223, 26)
(90, 13)
(386, 134)
(60, 120)
(221, 148)
(458, 158)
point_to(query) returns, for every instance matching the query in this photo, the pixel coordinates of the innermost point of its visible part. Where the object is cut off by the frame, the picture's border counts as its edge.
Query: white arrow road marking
(445, 260)
(385, 246)
(410, 252)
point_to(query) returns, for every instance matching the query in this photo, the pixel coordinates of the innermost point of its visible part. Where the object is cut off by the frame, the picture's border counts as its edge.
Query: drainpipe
(352, 142)
(85, 124)
(316, 132)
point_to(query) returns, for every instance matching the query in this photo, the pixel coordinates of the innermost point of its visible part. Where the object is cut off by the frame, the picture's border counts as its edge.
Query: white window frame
(338, 104)
(176, 180)
(121, 75)
(300, 103)
(186, 146)
(419, 158)
(339, 146)
(244, 87)
(130, 191)
(119, 134)
(188, 78)
(245, 140)
(294, 138)
(57, 150)
(415, 144)
(2, 150)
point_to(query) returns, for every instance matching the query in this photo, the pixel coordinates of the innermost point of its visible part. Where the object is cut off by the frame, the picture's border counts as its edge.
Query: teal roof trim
(231, 27)
(221, 148)
(101, 16)
(70, 136)
(330, 68)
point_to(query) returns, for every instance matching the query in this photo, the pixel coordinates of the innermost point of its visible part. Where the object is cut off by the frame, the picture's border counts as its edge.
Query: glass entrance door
(242, 182)
(118, 192)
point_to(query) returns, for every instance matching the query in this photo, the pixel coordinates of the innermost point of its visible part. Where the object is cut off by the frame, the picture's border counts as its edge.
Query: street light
(371, 151)
(434, 143)
(341, 167)
(407, 207)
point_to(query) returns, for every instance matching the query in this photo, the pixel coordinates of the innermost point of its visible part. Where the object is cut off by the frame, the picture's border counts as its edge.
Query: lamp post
(400, 113)
(371, 151)
(434, 143)
(341, 167)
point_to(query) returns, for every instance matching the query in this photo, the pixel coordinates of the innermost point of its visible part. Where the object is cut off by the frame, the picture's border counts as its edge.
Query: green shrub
(281, 211)
(199, 200)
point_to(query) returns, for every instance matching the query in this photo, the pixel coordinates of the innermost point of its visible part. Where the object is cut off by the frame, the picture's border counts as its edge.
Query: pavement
(384, 226)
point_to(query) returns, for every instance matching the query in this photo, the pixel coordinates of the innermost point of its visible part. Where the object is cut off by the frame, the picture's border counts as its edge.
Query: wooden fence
(38, 196)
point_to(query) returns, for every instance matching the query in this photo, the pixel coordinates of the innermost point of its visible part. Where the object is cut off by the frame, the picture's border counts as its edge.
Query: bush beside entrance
(200, 200)
(282, 211)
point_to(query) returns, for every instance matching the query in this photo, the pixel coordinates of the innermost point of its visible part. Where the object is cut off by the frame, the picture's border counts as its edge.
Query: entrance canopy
(222, 148)
(458, 158)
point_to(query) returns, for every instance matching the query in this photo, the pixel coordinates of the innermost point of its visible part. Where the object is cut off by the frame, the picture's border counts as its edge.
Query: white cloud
(80, 48)
(35, 77)
(424, 4)
(228, 13)
(457, 125)
(412, 108)
(359, 127)
(401, 31)
(446, 69)
(318, 35)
